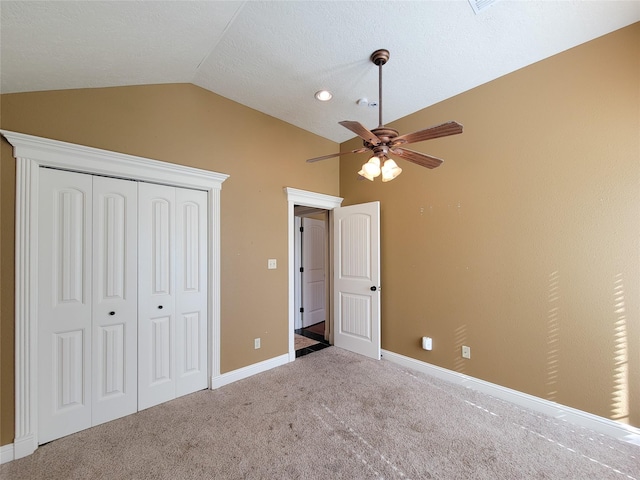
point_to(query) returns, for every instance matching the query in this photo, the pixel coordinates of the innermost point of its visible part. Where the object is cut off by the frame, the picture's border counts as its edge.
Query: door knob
(160, 307)
(112, 313)
(373, 289)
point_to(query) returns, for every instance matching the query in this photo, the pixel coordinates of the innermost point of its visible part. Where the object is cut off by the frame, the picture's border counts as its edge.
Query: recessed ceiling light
(323, 95)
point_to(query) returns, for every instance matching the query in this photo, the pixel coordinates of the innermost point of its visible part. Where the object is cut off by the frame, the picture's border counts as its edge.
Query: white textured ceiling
(273, 56)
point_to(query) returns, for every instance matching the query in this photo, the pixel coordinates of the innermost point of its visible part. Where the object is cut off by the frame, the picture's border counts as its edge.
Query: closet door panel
(156, 295)
(191, 291)
(115, 305)
(64, 303)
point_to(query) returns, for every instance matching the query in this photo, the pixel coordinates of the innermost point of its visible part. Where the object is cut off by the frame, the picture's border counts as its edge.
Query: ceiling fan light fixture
(390, 170)
(372, 167)
(364, 174)
(384, 140)
(323, 95)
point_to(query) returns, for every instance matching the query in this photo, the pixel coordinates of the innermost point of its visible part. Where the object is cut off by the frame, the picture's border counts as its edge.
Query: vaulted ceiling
(274, 55)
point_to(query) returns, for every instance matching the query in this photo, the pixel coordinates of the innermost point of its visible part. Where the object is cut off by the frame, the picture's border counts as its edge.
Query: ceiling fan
(384, 141)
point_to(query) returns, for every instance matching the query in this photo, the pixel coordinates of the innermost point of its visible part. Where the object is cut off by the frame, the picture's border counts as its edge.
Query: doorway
(312, 203)
(312, 280)
(354, 303)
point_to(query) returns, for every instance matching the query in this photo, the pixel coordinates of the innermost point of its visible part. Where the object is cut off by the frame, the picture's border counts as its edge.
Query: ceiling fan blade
(418, 158)
(361, 131)
(325, 157)
(444, 130)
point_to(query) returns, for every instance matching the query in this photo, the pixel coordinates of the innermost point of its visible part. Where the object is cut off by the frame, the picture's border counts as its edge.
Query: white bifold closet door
(115, 301)
(172, 292)
(87, 308)
(122, 307)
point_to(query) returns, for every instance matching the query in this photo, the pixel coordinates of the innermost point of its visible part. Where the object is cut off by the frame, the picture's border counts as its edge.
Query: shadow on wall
(553, 336)
(620, 388)
(620, 393)
(459, 339)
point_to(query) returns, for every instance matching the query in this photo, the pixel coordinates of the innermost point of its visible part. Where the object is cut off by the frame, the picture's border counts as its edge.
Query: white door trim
(31, 153)
(307, 199)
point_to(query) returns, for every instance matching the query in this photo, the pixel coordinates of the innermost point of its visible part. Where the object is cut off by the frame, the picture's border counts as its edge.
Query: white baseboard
(6, 453)
(248, 371)
(596, 423)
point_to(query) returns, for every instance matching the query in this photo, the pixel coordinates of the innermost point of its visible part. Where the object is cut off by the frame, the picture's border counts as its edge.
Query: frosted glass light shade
(364, 174)
(372, 167)
(390, 170)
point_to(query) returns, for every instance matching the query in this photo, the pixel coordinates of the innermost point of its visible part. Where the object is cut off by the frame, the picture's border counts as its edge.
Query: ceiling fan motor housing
(385, 134)
(380, 57)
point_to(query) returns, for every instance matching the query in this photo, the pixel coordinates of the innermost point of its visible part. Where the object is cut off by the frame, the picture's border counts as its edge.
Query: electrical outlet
(256, 343)
(466, 352)
(272, 264)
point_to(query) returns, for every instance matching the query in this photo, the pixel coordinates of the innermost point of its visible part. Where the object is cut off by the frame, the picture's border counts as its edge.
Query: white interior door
(191, 291)
(115, 299)
(356, 230)
(64, 303)
(313, 275)
(156, 295)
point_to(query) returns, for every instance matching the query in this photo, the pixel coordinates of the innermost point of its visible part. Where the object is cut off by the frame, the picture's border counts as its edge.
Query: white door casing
(356, 230)
(31, 153)
(313, 275)
(114, 369)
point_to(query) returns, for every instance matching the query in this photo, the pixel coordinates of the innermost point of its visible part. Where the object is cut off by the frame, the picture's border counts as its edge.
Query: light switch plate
(272, 264)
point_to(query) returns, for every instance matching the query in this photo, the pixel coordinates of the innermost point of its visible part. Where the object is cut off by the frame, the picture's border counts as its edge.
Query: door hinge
(301, 229)
(301, 310)
(301, 269)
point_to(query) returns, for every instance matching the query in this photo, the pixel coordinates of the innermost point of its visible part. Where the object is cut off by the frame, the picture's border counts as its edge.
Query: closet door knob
(112, 313)
(160, 307)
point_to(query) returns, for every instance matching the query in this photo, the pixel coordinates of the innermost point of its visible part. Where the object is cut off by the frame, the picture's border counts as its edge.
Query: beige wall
(525, 243)
(187, 125)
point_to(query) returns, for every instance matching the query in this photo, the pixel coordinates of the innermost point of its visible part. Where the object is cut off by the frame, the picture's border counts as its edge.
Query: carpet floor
(333, 415)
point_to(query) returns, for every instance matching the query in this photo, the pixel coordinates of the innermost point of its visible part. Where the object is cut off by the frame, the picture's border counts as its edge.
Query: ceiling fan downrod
(380, 57)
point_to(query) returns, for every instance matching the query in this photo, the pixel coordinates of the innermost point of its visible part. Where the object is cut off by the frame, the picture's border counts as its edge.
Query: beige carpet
(301, 342)
(333, 415)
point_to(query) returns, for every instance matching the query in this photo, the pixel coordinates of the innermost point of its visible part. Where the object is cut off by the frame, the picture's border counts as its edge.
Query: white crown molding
(312, 199)
(63, 155)
(620, 431)
(31, 153)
